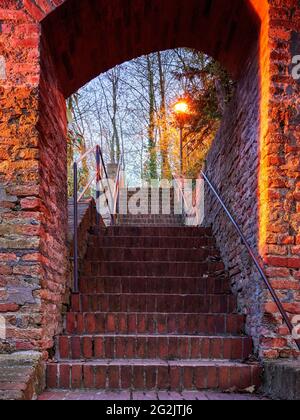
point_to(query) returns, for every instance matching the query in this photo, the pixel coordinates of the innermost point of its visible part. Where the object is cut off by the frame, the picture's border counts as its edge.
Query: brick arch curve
(90, 37)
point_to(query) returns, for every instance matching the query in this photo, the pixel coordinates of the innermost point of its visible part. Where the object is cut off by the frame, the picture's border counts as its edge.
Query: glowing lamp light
(181, 108)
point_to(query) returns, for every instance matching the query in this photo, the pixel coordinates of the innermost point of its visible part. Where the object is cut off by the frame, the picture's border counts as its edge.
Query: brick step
(146, 254)
(153, 346)
(147, 190)
(157, 195)
(152, 213)
(147, 224)
(151, 208)
(151, 242)
(151, 269)
(153, 375)
(161, 285)
(143, 198)
(153, 323)
(148, 203)
(197, 304)
(166, 198)
(153, 217)
(176, 231)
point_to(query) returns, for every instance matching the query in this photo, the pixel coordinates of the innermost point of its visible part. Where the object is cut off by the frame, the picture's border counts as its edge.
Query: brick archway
(92, 37)
(52, 48)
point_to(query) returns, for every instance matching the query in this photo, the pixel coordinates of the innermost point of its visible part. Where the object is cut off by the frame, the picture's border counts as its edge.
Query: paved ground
(139, 396)
(21, 375)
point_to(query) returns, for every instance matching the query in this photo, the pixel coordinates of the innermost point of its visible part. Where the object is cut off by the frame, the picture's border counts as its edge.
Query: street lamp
(181, 109)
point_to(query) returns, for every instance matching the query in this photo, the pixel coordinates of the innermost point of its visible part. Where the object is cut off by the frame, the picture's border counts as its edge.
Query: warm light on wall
(262, 9)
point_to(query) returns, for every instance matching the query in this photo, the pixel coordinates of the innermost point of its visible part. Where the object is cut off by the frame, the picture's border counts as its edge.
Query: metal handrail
(99, 180)
(100, 157)
(85, 189)
(254, 259)
(116, 194)
(86, 154)
(100, 166)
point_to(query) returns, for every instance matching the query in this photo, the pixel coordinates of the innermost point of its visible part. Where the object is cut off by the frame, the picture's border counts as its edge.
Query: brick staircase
(157, 207)
(154, 312)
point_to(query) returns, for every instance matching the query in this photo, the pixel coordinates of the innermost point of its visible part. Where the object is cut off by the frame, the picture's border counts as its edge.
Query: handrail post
(75, 240)
(183, 197)
(116, 196)
(118, 200)
(111, 207)
(108, 181)
(98, 177)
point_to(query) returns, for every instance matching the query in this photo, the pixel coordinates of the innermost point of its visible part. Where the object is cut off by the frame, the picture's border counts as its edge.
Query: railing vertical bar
(109, 187)
(116, 195)
(98, 177)
(255, 260)
(75, 240)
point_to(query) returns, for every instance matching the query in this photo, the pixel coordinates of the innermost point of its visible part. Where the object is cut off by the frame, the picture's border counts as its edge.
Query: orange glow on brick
(262, 8)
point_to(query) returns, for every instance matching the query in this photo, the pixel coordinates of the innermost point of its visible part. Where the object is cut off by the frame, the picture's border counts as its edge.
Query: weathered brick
(8, 307)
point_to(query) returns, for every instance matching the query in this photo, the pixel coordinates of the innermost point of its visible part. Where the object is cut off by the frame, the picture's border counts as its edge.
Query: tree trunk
(164, 140)
(151, 127)
(116, 142)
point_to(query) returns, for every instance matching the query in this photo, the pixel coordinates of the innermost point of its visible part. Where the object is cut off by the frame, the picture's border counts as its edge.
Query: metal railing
(116, 194)
(254, 259)
(112, 202)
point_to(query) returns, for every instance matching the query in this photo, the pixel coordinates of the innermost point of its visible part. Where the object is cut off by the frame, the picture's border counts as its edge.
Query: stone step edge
(151, 374)
(133, 248)
(171, 278)
(194, 295)
(157, 262)
(152, 237)
(166, 335)
(155, 362)
(219, 314)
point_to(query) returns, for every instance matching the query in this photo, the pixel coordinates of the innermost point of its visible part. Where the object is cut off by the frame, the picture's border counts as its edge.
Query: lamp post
(181, 110)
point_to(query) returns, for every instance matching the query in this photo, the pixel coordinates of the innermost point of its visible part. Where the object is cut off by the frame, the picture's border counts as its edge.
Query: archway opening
(83, 39)
(130, 112)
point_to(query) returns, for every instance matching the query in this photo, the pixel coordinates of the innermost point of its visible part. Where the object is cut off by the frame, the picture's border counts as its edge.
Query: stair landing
(61, 395)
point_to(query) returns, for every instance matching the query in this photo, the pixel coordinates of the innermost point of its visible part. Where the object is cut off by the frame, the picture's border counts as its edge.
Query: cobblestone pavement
(143, 396)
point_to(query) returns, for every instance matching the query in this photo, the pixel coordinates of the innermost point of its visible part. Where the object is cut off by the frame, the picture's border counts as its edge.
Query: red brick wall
(52, 126)
(232, 165)
(255, 163)
(87, 216)
(20, 211)
(280, 245)
(33, 186)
